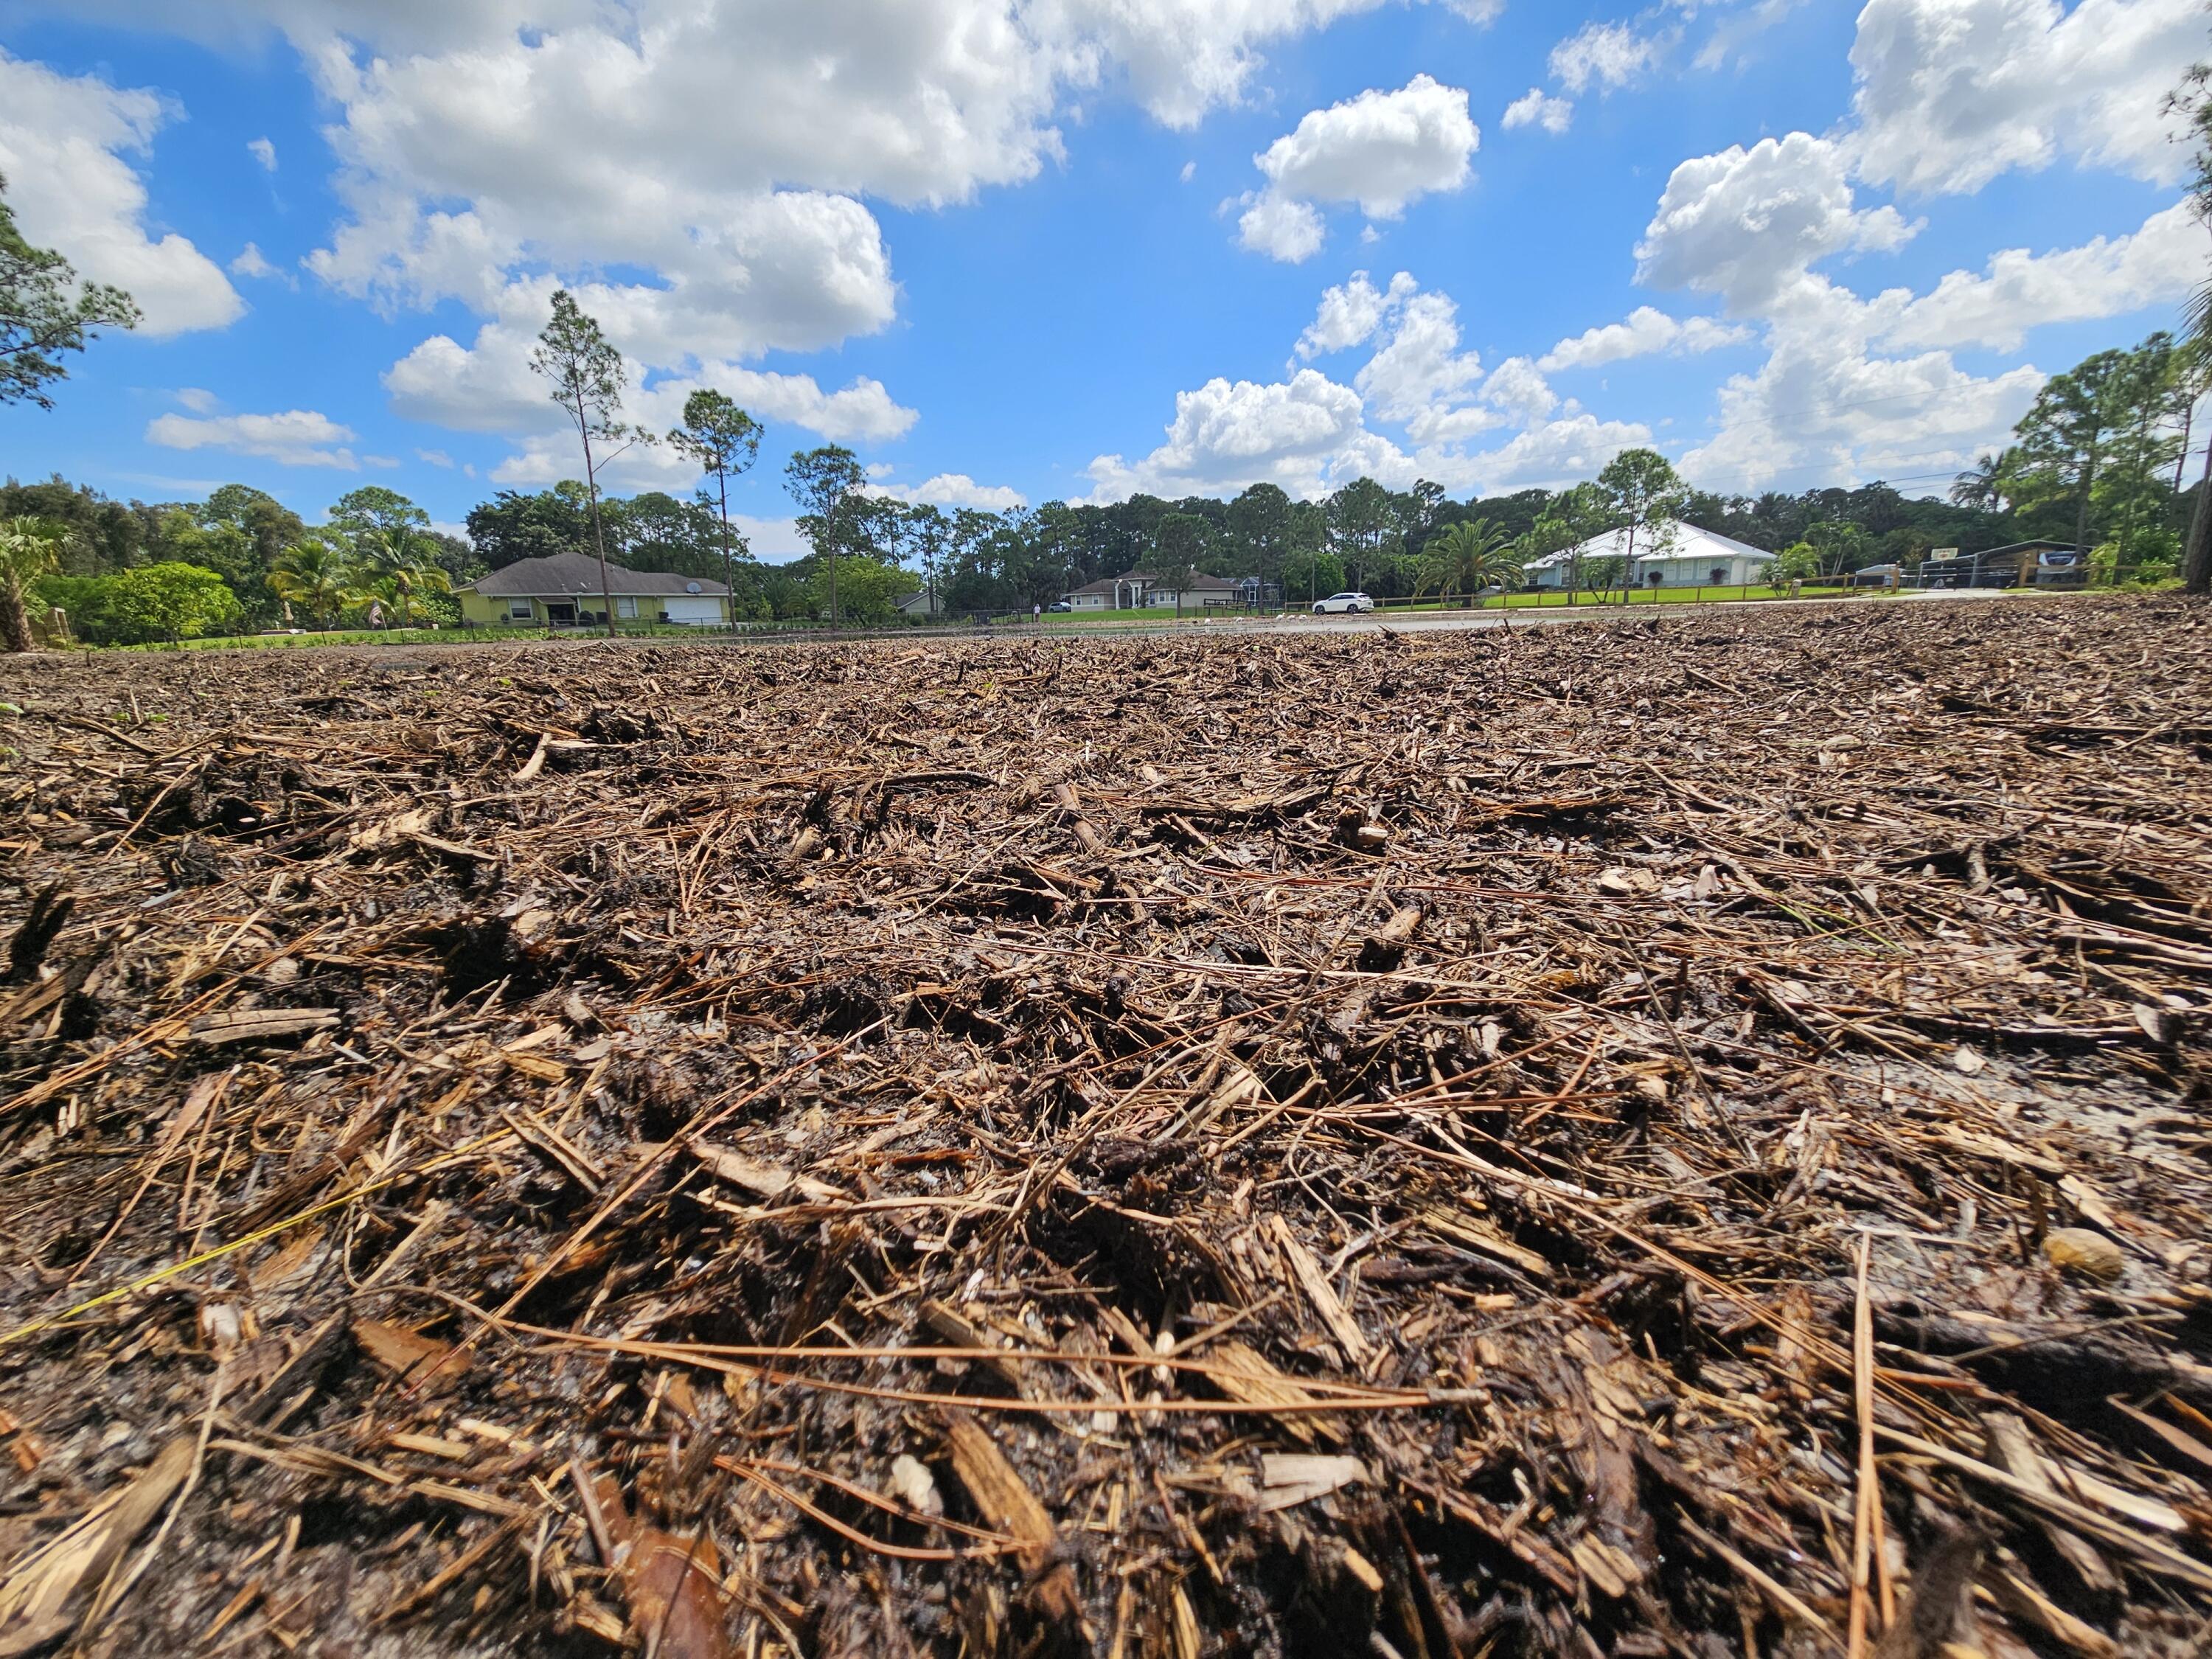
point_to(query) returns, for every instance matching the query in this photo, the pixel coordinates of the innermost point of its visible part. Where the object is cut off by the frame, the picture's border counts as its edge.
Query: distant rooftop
(1688, 542)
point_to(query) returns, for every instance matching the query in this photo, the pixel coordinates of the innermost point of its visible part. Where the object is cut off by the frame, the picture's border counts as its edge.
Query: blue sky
(1016, 250)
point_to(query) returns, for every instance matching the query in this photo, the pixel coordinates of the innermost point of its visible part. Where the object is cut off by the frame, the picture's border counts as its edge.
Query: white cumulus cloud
(1825, 408)
(1184, 58)
(1746, 223)
(1380, 150)
(488, 385)
(1605, 55)
(772, 541)
(1519, 387)
(297, 437)
(62, 140)
(862, 412)
(1418, 378)
(1953, 93)
(1539, 109)
(1226, 436)
(262, 150)
(252, 262)
(954, 489)
(1349, 313)
(722, 128)
(1830, 403)
(1290, 231)
(2019, 290)
(1646, 333)
(1558, 454)
(1415, 410)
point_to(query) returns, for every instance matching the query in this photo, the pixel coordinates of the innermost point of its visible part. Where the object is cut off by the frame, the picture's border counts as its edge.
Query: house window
(517, 611)
(626, 608)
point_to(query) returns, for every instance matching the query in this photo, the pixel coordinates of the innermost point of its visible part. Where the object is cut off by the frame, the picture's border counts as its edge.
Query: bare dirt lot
(1674, 1136)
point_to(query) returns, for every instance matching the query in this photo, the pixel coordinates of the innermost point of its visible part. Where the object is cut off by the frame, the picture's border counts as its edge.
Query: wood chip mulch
(1679, 1137)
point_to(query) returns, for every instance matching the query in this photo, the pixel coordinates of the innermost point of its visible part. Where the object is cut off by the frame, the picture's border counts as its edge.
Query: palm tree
(318, 575)
(1467, 558)
(27, 553)
(1987, 485)
(403, 586)
(1837, 542)
(399, 569)
(2193, 100)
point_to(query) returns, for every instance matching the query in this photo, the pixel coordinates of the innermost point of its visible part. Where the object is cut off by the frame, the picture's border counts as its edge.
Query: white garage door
(696, 612)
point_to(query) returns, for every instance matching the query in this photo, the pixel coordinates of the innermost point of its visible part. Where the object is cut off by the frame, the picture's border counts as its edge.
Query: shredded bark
(1657, 1137)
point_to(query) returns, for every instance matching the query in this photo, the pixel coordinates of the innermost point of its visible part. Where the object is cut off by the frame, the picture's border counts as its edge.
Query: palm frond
(2197, 319)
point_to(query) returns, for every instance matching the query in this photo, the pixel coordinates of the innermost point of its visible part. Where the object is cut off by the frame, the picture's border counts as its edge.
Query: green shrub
(168, 601)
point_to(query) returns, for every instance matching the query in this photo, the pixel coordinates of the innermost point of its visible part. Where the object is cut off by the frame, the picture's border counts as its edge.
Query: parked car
(1062, 608)
(1343, 604)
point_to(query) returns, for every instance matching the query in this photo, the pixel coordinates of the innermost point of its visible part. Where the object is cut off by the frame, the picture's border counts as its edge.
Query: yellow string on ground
(120, 1292)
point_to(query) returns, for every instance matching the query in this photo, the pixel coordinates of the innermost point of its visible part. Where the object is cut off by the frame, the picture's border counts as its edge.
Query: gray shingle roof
(576, 575)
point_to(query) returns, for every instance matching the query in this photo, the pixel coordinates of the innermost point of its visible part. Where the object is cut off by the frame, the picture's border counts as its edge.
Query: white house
(1136, 590)
(1682, 555)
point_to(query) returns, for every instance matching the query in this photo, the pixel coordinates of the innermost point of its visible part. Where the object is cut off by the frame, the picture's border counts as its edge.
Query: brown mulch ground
(1659, 1137)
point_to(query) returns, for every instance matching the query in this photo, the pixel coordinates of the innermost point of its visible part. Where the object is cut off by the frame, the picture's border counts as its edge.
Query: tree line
(2101, 459)
(240, 562)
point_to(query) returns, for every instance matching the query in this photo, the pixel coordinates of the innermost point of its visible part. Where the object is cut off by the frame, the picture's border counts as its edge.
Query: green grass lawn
(1681, 596)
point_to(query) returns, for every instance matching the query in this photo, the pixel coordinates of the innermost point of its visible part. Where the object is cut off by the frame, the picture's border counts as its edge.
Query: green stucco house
(564, 592)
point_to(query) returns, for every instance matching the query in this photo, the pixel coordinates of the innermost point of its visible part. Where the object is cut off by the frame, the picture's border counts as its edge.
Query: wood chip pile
(1680, 1137)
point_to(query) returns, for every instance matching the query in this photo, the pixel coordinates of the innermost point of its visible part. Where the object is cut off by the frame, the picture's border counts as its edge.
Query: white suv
(1343, 604)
